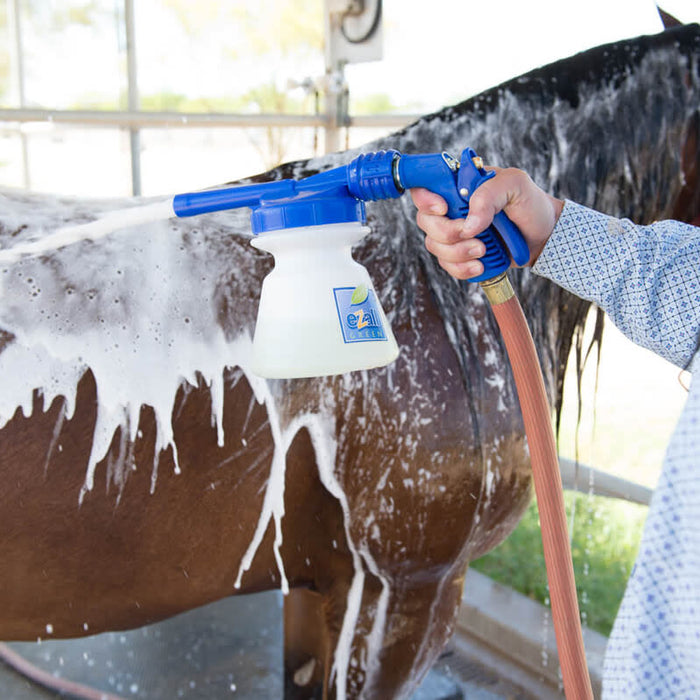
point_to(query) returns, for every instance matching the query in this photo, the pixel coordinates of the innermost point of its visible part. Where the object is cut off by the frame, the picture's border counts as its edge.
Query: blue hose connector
(371, 176)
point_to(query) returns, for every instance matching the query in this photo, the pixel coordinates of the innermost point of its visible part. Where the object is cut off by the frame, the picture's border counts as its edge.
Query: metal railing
(135, 121)
(139, 119)
(585, 479)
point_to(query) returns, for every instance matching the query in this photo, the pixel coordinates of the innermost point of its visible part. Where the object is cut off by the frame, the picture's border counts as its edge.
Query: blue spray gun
(337, 195)
(318, 312)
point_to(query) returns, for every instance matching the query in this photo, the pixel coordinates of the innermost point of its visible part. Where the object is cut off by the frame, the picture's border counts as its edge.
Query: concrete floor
(191, 657)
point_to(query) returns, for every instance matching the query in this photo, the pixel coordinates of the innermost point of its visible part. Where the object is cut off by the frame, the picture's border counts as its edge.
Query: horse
(146, 470)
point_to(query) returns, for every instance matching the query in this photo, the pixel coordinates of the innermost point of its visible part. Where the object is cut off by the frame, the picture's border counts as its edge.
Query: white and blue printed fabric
(647, 279)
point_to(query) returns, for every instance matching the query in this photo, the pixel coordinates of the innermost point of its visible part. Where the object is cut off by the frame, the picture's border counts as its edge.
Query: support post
(132, 96)
(352, 30)
(14, 22)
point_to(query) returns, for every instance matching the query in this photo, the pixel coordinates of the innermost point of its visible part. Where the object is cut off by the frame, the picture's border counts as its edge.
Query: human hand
(453, 241)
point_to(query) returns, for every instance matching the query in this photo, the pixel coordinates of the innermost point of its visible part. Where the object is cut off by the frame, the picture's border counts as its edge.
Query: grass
(606, 536)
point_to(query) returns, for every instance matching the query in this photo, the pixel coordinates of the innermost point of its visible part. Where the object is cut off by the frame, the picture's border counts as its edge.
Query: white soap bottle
(319, 313)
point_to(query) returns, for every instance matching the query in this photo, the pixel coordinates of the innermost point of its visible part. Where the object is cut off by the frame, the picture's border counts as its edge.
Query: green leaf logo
(360, 294)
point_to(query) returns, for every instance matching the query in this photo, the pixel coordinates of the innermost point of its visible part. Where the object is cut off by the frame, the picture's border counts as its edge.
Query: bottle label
(358, 313)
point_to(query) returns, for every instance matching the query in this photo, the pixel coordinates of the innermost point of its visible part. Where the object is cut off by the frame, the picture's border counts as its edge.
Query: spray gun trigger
(472, 174)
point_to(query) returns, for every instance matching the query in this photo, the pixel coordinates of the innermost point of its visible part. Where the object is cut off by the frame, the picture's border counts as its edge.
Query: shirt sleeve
(646, 278)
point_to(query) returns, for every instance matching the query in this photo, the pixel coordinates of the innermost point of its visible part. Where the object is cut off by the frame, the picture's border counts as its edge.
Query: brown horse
(146, 471)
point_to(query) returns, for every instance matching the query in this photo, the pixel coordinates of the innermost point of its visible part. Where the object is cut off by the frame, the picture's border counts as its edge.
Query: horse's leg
(320, 569)
(399, 630)
(327, 641)
(420, 619)
(307, 645)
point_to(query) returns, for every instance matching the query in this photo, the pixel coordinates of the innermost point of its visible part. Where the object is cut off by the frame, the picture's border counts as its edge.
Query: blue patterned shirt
(647, 279)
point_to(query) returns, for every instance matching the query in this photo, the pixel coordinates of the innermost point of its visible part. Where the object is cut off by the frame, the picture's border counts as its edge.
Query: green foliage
(264, 98)
(56, 17)
(84, 13)
(176, 102)
(378, 103)
(604, 547)
(269, 98)
(265, 26)
(284, 26)
(5, 66)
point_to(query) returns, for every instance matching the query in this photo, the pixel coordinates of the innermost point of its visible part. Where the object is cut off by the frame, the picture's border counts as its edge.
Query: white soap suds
(273, 501)
(91, 231)
(138, 311)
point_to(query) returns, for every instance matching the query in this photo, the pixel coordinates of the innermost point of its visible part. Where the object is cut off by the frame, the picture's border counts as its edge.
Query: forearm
(647, 278)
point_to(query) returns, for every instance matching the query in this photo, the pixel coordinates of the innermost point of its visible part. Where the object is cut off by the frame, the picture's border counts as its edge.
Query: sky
(462, 48)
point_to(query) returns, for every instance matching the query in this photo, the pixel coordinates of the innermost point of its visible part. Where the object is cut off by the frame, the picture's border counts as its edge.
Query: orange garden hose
(548, 485)
(61, 685)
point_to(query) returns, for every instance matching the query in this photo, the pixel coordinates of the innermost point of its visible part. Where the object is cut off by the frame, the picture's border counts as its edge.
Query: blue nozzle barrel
(194, 203)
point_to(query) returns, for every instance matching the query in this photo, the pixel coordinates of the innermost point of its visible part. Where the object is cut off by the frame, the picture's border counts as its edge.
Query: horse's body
(145, 471)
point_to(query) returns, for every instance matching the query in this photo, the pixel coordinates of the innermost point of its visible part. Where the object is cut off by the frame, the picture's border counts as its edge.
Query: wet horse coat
(146, 471)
